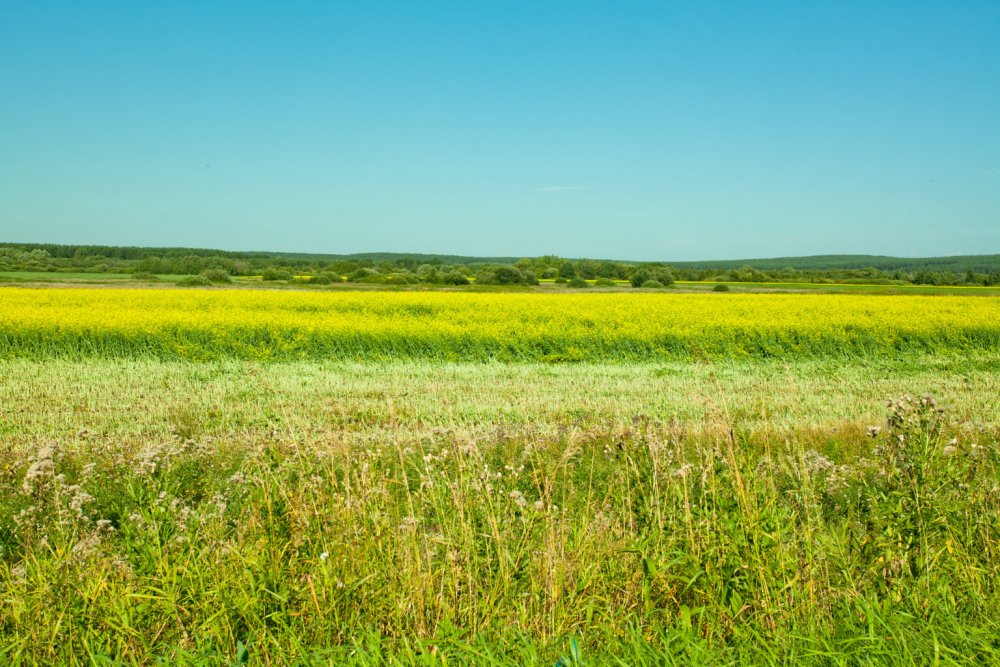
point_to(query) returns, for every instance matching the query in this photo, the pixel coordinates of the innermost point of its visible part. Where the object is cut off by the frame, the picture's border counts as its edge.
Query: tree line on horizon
(402, 269)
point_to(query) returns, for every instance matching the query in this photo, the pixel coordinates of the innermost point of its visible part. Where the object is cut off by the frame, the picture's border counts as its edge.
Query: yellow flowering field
(266, 325)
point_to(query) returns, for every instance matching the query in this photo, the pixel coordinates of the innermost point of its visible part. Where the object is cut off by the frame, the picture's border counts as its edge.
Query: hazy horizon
(680, 132)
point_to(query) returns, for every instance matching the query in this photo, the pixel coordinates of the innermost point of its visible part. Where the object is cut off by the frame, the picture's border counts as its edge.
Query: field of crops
(268, 325)
(247, 476)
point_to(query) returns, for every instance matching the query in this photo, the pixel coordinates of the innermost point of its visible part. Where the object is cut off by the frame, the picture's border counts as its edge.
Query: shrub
(194, 281)
(655, 273)
(455, 278)
(560, 281)
(505, 275)
(145, 275)
(365, 275)
(429, 274)
(321, 279)
(721, 288)
(216, 276)
(652, 284)
(605, 282)
(271, 273)
(578, 283)
(401, 278)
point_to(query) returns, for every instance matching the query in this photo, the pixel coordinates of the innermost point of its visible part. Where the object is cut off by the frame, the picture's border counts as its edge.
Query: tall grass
(632, 544)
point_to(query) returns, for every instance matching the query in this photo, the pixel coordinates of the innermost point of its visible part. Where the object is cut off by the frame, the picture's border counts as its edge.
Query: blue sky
(633, 130)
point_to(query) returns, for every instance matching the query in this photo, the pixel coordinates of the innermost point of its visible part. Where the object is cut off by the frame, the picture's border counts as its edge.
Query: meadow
(232, 476)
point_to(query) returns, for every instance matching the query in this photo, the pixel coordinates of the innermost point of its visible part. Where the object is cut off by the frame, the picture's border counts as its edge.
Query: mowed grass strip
(142, 399)
(267, 325)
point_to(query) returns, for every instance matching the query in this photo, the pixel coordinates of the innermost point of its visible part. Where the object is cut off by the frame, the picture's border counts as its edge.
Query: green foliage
(273, 274)
(365, 275)
(506, 275)
(216, 276)
(144, 276)
(638, 543)
(722, 287)
(916, 498)
(429, 275)
(652, 284)
(578, 283)
(652, 273)
(194, 281)
(605, 282)
(401, 278)
(847, 269)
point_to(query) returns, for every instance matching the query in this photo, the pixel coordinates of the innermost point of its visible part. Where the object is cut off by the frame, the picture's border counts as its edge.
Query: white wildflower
(41, 471)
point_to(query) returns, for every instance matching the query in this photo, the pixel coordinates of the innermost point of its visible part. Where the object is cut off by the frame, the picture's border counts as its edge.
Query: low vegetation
(443, 270)
(254, 515)
(223, 476)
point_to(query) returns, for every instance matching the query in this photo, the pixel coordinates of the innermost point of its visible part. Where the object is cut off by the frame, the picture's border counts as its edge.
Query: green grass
(139, 400)
(73, 277)
(546, 284)
(841, 288)
(491, 514)
(54, 276)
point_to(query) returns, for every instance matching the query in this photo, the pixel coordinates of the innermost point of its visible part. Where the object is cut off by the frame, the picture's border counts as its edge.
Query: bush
(605, 282)
(647, 273)
(321, 279)
(721, 288)
(578, 283)
(505, 275)
(216, 276)
(652, 284)
(655, 273)
(194, 281)
(429, 274)
(560, 281)
(365, 275)
(455, 278)
(145, 276)
(401, 278)
(276, 274)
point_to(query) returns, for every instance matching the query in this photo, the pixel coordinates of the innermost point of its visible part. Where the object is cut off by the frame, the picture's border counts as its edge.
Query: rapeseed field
(271, 325)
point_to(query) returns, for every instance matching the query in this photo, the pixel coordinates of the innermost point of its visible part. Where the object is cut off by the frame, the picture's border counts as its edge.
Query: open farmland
(436, 478)
(268, 325)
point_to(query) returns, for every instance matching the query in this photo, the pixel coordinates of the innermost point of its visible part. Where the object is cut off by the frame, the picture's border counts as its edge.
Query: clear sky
(632, 130)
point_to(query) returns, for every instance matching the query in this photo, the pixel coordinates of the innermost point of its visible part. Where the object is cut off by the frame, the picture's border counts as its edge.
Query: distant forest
(403, 268)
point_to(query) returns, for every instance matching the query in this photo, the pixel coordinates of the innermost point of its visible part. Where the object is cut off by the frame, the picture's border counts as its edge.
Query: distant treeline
(958, 264)
(403, 269)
